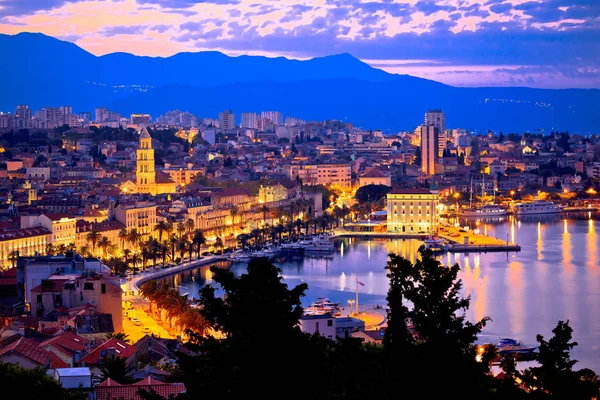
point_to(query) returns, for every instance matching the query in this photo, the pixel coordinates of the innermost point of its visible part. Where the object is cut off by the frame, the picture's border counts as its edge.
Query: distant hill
(42, 71)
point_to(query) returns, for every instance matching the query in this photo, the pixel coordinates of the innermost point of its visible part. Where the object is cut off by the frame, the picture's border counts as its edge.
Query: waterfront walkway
(134, 281)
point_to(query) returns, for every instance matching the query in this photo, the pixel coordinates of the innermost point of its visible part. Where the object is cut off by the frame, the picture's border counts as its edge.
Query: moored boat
(537, 207)
(489, 210)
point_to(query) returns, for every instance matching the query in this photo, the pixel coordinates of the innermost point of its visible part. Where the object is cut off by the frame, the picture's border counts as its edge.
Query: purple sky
(550, 43)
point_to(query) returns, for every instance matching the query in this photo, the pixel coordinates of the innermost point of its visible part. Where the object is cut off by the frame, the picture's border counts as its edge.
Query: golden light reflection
(593, 272)
(342, 250)
(208, 275)
(515, 295)
(512, 233)
(540, 242)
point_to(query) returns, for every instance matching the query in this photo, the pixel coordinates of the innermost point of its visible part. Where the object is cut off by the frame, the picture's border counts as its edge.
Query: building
(28, 354)
(429, 149)
(412, 211)
(23, 115)
(146, 178)
(321, 174)
(48, 118)
(276, 117)
(271, 193)
(323, 325)
(249, 120)
(140, 216)
(374, 177)
(25, 241)
(105, 115)
(438, 119)
(110, 390)
(111, 348)
(31, 271)
(227, 120)
(210, 135)
(61, 226)
(140, 119)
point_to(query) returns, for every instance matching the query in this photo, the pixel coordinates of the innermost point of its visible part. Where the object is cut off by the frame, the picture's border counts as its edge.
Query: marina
(555, 276)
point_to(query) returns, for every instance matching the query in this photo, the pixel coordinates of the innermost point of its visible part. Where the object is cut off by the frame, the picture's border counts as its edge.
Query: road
(131, 293)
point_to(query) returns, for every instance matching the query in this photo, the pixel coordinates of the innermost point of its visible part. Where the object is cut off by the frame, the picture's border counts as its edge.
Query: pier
(460, 240)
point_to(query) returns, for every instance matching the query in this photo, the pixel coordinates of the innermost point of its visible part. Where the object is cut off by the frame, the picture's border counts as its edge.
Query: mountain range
(42, 71)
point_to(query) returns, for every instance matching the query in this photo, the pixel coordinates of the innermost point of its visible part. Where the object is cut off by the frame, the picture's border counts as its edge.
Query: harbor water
(556, 276)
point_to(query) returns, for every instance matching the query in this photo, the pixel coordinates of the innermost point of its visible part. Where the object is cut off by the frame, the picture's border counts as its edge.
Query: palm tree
(146, 255)
(13, 256)
(182, 247)
(126, 256)
(122, 336)
(123, 237)
(298, 224)
(160, 227)
(180, 229)
(198, 240)
(175, 304)
(255, 234)
(50, 250)
(115, 264)
(219, 243)
(134, 237)
(61, 248)
(135, 259)
(116, 368)
(104, 244)
(172, 244)
(93, 238)
(243, 240)
(71, 246)
(84, 251)
(169, 228)
(190, 249)
(163, 250)
(190, 225)
(193, 320)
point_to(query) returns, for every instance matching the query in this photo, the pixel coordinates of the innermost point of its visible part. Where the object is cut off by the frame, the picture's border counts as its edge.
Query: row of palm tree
(290, 230)
(174, 307)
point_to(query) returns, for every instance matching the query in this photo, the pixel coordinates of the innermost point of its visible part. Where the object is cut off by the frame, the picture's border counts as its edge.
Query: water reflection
(554, 277)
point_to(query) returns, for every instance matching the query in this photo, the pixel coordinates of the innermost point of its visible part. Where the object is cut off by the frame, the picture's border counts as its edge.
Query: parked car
(145, 329)
(136, 321)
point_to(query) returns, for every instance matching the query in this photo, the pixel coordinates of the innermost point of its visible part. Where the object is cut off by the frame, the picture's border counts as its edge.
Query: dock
(482, 248)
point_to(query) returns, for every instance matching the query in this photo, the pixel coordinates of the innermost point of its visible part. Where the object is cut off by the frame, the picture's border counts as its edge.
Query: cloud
(122, 30)
(160, 28)
(17, 8)
(429, 7)
(185, 3)
(501, 8)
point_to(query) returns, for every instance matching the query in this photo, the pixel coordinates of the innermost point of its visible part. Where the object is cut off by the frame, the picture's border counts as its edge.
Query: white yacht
(537, 207)
(489, 210)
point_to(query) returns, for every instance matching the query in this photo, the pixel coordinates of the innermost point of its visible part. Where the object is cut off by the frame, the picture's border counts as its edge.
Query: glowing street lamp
(456, 196)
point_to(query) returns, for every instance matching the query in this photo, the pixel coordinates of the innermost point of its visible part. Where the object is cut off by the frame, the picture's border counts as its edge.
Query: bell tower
(145, 174)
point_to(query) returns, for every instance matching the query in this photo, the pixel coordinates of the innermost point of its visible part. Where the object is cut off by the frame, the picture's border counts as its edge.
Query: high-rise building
(85, 117)
(140, 119)
(65, 110)
(275, 116)
(249, 120)
(429, 149)
(105, 115)
(48, 118)
(227, 120)
(438, 119)
(23, 115)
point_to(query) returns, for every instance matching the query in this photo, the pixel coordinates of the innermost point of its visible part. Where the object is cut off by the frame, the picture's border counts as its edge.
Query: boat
(512, 346)
(537, 207)
(489, 210)
(317, 244)
(323, 306)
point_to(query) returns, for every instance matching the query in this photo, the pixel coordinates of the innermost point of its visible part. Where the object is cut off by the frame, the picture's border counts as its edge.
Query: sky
(546, 44)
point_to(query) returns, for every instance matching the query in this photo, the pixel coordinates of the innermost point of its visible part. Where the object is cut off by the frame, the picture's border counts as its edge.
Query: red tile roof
(23, 233)
(69, 341)
(411, 191)
(122, 350)
(8, 277)
(57, 216)
(110, 389)
(30, 349)
(57, 286)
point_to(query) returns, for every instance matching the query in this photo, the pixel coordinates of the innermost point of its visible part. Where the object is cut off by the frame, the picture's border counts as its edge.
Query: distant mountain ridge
(45, 71)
